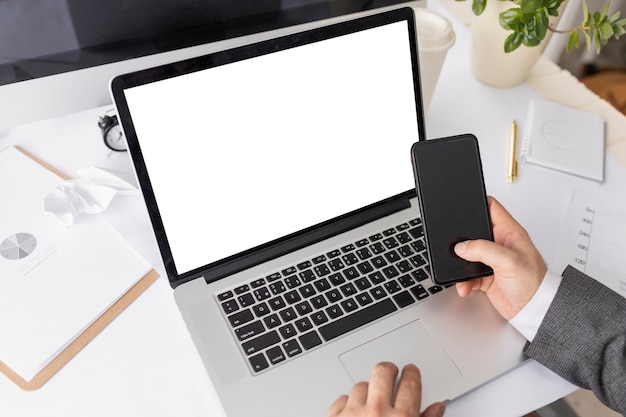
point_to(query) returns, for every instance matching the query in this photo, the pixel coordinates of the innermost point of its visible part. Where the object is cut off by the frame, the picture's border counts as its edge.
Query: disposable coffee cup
(435, 36)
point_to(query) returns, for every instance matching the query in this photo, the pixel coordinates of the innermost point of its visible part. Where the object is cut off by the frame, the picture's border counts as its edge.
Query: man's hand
(376, 398)
(517, 264)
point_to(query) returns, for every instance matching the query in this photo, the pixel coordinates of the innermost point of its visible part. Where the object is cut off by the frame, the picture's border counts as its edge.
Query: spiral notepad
(564, 139)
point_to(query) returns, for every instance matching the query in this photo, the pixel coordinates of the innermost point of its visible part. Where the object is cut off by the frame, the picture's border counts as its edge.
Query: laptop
(278, 181)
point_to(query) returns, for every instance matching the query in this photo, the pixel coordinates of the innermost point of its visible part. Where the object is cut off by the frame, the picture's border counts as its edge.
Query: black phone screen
(453, 203)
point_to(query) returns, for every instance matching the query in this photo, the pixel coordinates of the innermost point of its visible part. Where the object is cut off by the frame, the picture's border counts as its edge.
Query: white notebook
(564, 139)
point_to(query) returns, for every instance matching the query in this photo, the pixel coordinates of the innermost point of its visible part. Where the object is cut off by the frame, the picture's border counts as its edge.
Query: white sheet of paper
(594, 241)
(54, 280)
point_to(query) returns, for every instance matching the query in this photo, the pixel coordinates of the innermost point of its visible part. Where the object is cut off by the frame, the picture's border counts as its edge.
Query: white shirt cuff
(528, 320)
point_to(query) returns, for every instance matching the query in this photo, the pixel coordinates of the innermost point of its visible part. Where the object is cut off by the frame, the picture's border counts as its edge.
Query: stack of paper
(54, 280)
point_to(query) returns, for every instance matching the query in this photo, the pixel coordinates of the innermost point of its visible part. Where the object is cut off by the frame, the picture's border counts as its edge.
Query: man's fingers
(409, 393)
(484, 251)
(466, 287)
(434, 410)
(382, 380)
(337, 406)
(358, 395)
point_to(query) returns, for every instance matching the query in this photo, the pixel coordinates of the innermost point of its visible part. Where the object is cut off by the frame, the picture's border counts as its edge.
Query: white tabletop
(145, 363)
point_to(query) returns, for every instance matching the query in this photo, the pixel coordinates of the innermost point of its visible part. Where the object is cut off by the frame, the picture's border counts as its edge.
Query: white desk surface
(144, 363)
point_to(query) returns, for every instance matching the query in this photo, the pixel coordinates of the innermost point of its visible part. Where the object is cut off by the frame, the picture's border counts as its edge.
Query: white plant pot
(490, 64)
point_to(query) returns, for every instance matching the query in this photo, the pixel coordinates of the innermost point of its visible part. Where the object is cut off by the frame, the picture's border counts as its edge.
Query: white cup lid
(434, 31)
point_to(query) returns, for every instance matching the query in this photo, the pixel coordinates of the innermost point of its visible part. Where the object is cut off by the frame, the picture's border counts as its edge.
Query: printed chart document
(54, 280)
(594, 241)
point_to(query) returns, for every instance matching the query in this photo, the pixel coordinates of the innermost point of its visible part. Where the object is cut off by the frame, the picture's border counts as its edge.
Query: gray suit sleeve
(583, 338)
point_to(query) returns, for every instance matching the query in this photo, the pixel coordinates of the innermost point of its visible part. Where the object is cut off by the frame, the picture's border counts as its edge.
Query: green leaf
(596, 18)
(606, 31)
(512, 42)
(510, 19)
(572, 41)
(586, 15)
(616, 16)
(478, 6)
(618, 31)
(598, 39)
(530, 6)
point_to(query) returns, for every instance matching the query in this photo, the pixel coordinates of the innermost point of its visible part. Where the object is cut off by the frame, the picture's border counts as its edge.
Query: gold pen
(512, 158)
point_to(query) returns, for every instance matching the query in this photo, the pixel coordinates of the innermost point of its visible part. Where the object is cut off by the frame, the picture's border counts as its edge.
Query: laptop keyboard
(286, 313)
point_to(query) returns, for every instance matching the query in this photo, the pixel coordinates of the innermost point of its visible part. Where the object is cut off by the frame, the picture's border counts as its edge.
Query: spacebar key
(358, 319)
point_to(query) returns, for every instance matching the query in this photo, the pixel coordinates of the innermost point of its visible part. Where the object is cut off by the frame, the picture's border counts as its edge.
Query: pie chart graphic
(18, 246)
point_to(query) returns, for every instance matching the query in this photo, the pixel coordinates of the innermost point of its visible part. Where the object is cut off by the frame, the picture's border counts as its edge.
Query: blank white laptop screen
(244, 153)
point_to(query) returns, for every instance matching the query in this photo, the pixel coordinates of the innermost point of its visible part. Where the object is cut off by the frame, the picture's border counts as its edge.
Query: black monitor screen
(46, 37)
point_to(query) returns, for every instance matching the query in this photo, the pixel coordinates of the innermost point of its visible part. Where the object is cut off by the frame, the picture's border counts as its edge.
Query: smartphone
(453, 204)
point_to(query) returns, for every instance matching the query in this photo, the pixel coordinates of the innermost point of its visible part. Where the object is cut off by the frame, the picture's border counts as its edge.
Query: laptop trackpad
(411, 343)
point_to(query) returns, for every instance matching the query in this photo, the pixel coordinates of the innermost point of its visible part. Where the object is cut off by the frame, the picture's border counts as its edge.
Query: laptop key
(336, 264)
(277, 303)
(249, 330)
(275, 355)
(319, 301)
(261, 309)
(292, 281)
(350, 258)
(272, 321)
(303, 324)
(376, 277)
(310, 340)
(261, 294)
(419, 292)
(404, 237)
(241, 289)
(322, 270)
(319, 259)
(240, 318)
(258, 362)
(378, 292)
(277, 288)
(364, 299)
(304, 265)
(419, 275)
(354, 321)
(246, 299)
(230, 306)
(225, 295)
(334, 311)
(288, 314)
(292, 296)
(435, 289)
(319, 318)
(303, 308)
(257, 283)
(287, 331)
(417, 232)
(403, 299)
(292, 347)
(307, 275)
(349, 305)
(322, 285)
(261, 342)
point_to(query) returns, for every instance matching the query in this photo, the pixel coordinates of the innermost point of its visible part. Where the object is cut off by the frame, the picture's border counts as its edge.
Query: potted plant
(529, 22)
(523, 25)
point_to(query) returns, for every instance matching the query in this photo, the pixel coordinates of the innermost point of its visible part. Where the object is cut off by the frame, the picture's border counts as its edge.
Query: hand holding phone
(453, 204)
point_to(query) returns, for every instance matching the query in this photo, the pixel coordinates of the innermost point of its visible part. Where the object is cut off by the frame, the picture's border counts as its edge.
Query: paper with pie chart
(55, 280)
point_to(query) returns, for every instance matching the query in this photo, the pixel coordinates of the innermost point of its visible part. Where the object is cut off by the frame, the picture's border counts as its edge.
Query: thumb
(434, 410)
(485, 251)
